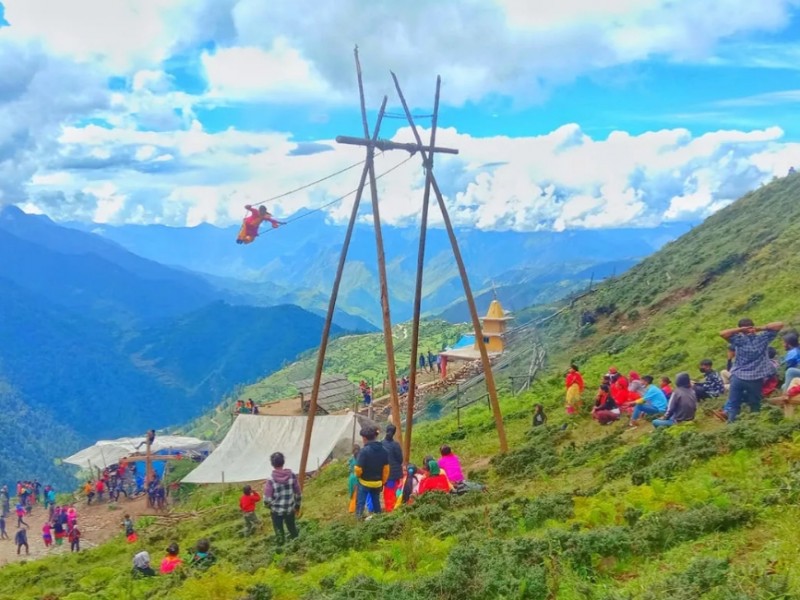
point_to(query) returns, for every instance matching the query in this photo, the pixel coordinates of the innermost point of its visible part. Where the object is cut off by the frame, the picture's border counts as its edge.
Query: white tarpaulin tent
(108, 452)
(244, 453)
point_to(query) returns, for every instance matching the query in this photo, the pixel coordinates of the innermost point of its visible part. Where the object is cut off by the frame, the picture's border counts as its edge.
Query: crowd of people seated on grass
(752, 374)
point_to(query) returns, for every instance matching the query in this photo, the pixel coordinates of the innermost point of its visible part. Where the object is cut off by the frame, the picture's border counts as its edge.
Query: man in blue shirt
(653, 402)
(792, 358)
(751, 365)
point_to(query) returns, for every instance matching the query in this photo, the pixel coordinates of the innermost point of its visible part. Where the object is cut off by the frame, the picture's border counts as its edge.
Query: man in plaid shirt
(282, 496)
(751, 365)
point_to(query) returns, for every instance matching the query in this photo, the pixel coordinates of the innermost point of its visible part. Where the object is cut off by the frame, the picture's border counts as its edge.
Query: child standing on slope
(74, 538)
(248, 503)
(282, 496)
(47, 535)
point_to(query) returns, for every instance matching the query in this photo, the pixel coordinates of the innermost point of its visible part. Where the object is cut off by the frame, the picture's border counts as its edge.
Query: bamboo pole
(423, 229)
(326, 330)
(476, 323)
(388, 340)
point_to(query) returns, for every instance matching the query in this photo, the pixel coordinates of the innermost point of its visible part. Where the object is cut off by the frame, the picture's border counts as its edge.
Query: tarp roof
(335, 392)
(244, 453)
(108, 452)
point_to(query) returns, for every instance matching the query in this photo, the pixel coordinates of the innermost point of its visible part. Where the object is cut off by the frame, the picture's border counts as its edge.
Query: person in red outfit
(575, 385)
(249, 230)
(435, 481)
(247, 503)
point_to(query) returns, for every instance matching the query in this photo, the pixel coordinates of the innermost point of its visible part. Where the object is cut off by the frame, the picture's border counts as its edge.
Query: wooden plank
(384, 145)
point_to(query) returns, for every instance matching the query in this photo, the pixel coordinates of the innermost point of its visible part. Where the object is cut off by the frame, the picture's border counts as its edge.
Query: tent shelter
(244, 453)
(108, 452)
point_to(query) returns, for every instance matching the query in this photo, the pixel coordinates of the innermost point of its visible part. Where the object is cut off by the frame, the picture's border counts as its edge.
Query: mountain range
(96, 342)
(296, 264)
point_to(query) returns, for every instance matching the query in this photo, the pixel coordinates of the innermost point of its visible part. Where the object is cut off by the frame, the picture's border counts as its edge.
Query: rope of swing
(340, 198)
(308, 185)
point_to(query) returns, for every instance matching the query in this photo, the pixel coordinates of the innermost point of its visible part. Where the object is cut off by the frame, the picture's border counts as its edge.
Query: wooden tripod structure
(427, 152)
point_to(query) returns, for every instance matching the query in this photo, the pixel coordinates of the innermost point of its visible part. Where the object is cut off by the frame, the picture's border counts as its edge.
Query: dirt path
(98, 524)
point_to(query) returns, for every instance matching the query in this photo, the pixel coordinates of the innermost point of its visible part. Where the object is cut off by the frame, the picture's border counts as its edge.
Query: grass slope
(703, 511)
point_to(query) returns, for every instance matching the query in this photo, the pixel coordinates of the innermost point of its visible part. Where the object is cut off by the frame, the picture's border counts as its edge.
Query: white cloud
(562, 180)
(253, 74)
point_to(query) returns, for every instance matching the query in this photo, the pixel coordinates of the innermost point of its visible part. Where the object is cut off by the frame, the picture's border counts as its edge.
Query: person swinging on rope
(249, 231)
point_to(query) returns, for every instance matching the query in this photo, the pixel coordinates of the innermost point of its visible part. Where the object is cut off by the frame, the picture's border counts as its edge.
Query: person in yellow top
(372, 471)
(88, 489)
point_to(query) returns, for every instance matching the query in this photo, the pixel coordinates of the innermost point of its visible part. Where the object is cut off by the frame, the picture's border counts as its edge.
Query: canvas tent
(108, 452)
(244, 453)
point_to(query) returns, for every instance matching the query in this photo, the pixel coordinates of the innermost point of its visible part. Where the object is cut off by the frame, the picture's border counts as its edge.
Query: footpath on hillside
(98, 523)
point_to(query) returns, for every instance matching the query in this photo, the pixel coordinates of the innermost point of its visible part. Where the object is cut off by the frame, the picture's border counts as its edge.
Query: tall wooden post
(384, 285)
(423, 230)
(326, 330)
(476, 323)
(148, 462)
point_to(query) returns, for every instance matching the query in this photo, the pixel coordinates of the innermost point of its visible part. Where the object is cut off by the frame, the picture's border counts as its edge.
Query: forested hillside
(98, 343)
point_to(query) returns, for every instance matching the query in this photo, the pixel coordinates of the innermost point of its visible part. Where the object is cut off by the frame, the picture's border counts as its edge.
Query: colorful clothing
(451, 466)
(169, 564)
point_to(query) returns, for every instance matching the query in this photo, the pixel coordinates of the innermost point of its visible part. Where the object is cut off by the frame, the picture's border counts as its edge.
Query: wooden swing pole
(476, 323)
(388, 340)
(326, 330)
(423, 229)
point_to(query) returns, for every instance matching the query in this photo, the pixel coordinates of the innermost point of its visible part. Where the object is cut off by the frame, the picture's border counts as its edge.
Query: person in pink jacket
(451, 465)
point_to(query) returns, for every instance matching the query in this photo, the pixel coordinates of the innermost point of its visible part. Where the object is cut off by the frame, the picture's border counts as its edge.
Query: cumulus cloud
(564, 179)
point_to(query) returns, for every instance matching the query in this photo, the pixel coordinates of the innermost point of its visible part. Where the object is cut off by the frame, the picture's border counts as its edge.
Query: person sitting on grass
(712, 386)
(789, 399)
(436, 481)
(451, 465)
(409, 485)
(605, 409)
(141, 565)
(792, 358)
(666, 386)
(172, 560)
(654, 402)
(682, 405)
(635, 385)
(202, 557)
(771, 382)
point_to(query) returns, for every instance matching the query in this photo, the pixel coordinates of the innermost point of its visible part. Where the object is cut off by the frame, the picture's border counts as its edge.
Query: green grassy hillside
(703, 511)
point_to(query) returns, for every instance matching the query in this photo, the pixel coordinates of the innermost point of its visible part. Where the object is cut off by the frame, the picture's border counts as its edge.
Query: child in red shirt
(248, 502)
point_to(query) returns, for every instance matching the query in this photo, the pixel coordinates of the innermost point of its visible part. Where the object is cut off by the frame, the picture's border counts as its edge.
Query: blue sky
(179, 111)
